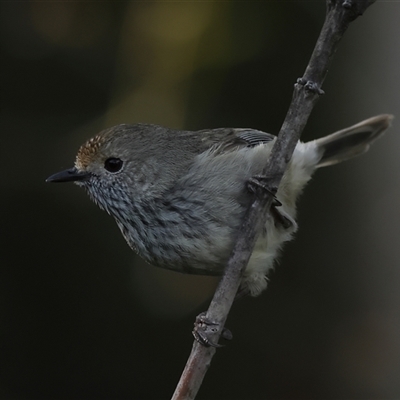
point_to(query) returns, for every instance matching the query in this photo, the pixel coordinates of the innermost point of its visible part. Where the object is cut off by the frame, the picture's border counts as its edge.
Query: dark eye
(113, 164)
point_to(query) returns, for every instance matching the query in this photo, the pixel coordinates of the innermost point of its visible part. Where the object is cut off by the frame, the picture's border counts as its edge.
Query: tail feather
(352, 141)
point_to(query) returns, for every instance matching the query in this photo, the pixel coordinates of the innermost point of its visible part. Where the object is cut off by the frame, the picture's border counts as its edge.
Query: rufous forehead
(88, 151)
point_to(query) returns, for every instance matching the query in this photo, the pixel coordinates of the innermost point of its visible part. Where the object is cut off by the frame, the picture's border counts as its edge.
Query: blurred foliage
(80, 316)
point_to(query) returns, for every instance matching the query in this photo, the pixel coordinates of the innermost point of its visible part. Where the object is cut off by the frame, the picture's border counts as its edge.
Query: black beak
(69, 175)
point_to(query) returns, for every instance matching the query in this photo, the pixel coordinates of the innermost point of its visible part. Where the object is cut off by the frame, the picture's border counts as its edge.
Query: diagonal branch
(306, 93)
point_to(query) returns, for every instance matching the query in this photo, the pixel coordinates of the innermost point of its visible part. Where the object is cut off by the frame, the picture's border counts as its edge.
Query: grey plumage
(180, 196)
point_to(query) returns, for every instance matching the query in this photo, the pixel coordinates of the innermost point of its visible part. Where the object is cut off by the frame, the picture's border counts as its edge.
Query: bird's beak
(69, 175)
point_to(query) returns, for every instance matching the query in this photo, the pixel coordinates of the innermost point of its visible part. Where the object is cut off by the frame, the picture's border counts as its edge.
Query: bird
(179, 197)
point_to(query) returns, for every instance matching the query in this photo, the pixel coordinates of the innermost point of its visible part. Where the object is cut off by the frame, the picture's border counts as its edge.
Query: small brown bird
(179, 197)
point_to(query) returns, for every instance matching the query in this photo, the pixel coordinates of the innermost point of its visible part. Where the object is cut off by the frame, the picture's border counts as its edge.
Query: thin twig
(306, 93)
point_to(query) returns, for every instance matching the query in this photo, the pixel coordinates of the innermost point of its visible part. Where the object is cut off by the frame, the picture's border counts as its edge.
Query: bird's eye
(113, 164)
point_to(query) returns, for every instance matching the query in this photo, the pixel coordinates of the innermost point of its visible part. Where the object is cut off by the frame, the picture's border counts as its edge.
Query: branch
(306, 93)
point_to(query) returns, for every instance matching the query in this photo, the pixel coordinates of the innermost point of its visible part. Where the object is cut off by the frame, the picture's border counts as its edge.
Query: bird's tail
(352, 141)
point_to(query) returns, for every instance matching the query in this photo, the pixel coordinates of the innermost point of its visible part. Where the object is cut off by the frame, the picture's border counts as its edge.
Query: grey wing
(253, 137)
(220, 140)
(243, 137)
(223, 140)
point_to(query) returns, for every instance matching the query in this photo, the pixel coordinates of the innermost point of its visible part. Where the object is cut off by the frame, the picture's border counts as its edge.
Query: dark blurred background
(80, 316)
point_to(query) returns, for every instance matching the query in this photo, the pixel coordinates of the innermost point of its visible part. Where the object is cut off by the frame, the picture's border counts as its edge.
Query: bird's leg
(280, 217)
(242, 292)
(204, 328)
(261, 181)
(283, 218)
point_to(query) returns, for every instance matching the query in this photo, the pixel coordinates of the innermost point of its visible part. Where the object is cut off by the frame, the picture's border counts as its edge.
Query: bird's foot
(283, 218)
(204, 328)
(262, 181)
(243, 292)
(280, 217)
